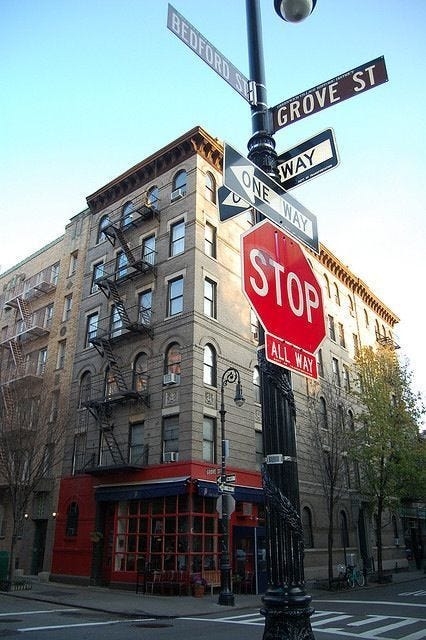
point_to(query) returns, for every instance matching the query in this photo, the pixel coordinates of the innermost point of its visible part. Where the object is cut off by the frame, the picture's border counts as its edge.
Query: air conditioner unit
(177, 194)
(170, 378)
(170, 456)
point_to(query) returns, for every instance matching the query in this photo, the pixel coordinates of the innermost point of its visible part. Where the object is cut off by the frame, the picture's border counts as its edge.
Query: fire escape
(120, 385)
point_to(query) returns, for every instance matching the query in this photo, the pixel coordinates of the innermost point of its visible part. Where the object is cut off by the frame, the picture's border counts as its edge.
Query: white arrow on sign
(230, 204)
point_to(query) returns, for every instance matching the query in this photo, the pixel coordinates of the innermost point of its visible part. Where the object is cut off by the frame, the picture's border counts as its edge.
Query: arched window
(103, 224)
(140, 373)
(210, 187)
(344, 533)
(85, 388)
(336, 294)
(327, 285)
(377, 329)
(308, 534)
(351, 420)
(323, 419)
(173, 359)
(351, 306)
(127, 214)
(179, 184)
(366, 319)
(153, 196)
(256, 384)
(111, 387)
(209, 365)
(72, 520)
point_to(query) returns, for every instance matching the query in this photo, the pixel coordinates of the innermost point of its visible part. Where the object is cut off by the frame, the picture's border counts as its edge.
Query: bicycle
(354, 576)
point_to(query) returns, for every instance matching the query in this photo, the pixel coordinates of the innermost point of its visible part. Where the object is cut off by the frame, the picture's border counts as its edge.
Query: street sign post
(349, 84)
(230, 204)
(262, 192)
(286, 296)
(309, 159)
(207, 52)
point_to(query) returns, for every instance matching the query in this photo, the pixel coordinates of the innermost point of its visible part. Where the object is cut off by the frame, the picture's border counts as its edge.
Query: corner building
(162, 317)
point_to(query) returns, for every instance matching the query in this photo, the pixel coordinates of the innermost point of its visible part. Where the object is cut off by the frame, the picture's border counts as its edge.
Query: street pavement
(129, 603)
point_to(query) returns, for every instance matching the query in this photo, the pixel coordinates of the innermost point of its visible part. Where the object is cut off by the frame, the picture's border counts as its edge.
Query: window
(73, 263)
(331, 328)
(91, 328)
(210, 240)
(145, 307)
(209, 439)
(377, 329)
(341, 331)
(61, 354)
(308, 535)
(140, 373)
(72, 520)
(127, 214)
(351, 420)
(137, 449)
(209, 365)
(256, 384)
(85, 388)
(41, 361)
(67, 308)
(148, 249)
(116, 322)
(323, 419)
(320, 363)
(210, 297)
(152, 197)
(48, 315)
(336, 371)
(356, 344)
(98, 272)
(78, 455)
(260, 455)
(327, 285)
(103, 224)
(121, 263)
(111, 386)
(347, 471)
(344, 533)
(170, 434)
(179, 182)
(351, 306)
(366, 319)
(395, 530)
(336, 294)
(177, 238)
(175, 296)
(346, 378)
(210, 187)
(54, 274)
(54, 404)
(254, 325)
(173, 359)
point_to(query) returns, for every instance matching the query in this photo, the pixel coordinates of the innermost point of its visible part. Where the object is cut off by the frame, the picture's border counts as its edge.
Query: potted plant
(198, 585)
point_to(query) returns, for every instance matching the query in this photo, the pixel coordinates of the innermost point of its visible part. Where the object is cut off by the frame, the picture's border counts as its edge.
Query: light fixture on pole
(226, 596)
(286, 605)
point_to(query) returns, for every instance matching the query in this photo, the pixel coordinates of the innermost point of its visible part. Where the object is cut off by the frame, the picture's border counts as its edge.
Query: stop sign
(281, 286)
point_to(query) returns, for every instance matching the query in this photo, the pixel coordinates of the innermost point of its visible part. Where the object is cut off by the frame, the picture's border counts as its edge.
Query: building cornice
(195, 141)
(356, 285)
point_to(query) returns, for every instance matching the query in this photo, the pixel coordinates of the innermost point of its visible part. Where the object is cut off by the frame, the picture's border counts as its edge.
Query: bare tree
(329, 424)
(31, 447)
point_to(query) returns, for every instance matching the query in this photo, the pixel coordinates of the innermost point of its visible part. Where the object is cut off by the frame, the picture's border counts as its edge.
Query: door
(249, 558)
(108, 546)
(39, 545)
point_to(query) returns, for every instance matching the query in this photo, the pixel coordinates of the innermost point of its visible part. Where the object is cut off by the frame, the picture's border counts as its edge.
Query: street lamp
(286, 605)
(226, 596)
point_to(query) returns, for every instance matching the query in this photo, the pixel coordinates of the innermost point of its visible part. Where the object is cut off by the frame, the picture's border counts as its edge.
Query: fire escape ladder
(118, 303)
(111, 442)
(25, 311)
(7, 400)
(115, 368)
(122, 241)
(18, 356)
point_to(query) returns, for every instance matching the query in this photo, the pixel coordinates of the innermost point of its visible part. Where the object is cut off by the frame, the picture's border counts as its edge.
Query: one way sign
(230, 204)
(262, 192)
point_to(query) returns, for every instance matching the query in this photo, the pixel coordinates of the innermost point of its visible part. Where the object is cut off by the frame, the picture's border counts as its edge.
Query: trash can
(4, 564)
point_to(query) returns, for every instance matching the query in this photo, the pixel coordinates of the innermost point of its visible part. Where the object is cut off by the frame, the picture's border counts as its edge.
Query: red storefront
(110, 527)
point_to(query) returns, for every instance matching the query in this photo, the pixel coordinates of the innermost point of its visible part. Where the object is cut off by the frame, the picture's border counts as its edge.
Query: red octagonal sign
(283, 290)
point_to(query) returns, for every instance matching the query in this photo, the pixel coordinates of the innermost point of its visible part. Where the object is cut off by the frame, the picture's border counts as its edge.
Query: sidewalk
(129, 603)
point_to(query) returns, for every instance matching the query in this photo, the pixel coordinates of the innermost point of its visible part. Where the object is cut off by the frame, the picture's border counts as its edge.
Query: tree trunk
(379, 540)
(330, 542)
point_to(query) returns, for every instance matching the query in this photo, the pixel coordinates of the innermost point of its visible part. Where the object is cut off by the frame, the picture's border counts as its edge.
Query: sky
(89, 88)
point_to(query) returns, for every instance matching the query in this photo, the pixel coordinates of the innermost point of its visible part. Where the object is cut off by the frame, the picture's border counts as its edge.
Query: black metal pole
(226, 596)
(286, 605)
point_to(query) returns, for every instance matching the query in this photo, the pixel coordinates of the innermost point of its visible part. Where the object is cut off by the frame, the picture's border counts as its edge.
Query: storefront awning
(242, 494)
(140, 491)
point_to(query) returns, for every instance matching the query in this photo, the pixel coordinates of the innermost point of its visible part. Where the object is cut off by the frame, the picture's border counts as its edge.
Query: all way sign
(260, 191)
(309, 159)
(349, 84)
